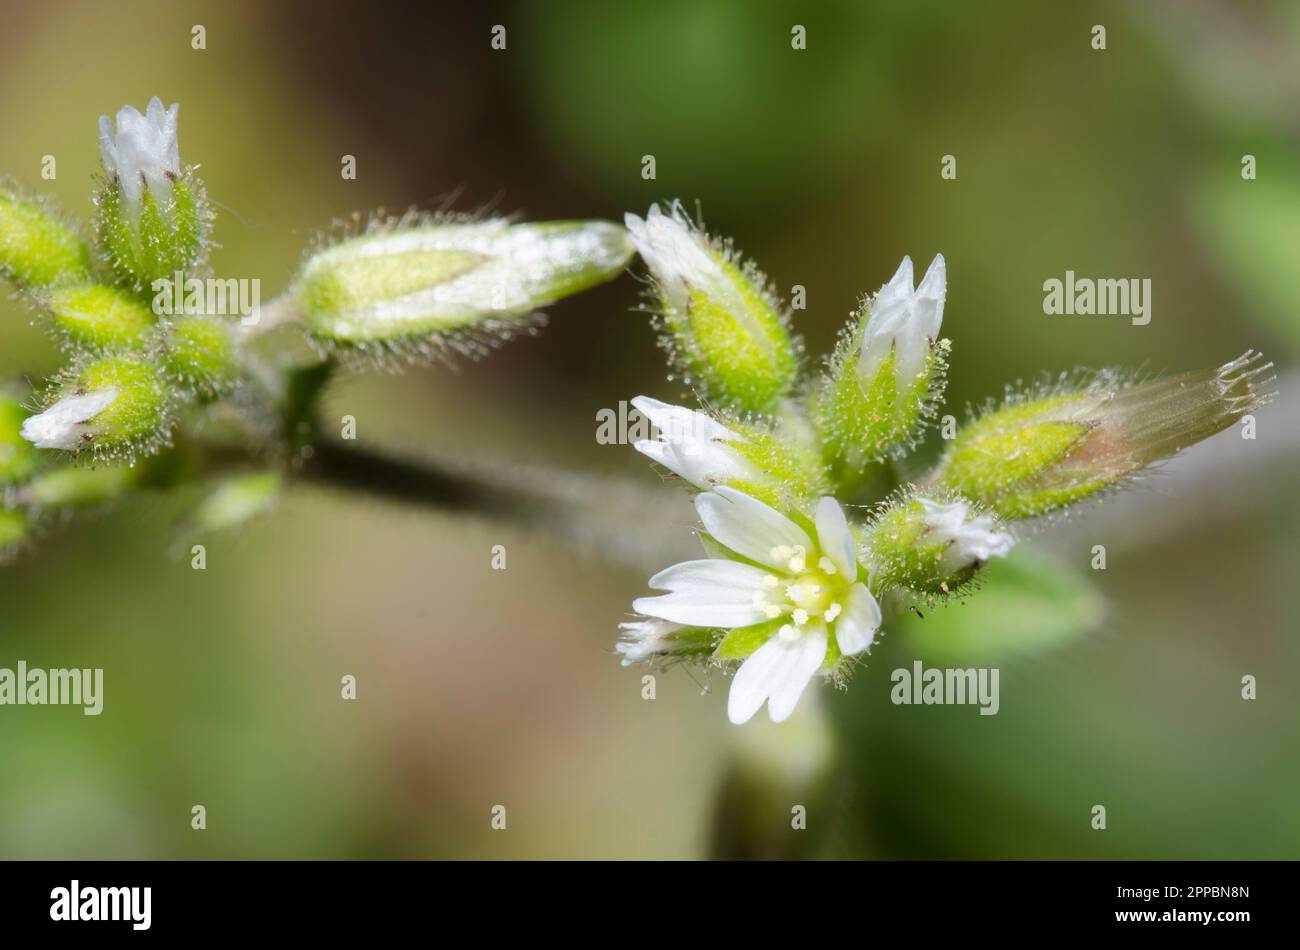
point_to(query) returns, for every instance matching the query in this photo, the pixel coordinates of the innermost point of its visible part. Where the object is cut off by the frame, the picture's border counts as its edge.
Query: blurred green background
(479, 687)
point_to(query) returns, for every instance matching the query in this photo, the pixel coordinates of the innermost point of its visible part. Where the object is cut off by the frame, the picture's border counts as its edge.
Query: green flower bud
(931, 546)
(115, 406)
(36, 248)
(153, 217)
(723, 329)
(16, 456)
(887, 372)
(99, 317)
(200, 354)
(1034, 456)
(236, 501)
(410, 288)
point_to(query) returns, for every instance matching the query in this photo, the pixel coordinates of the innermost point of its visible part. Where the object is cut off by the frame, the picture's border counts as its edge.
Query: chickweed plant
(175, 375)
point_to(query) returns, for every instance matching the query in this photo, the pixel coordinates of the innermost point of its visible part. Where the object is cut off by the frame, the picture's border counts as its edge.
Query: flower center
(810, 591)
(802, 594)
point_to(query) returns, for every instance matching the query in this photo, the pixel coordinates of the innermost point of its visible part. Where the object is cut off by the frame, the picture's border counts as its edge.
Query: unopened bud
(406, 287)
(36, 248)
(1034, 456)
(113, 406)
(98, 317)
(932, 546)
(887, 371)
(725, 331)
(153, 216)
(772, 464)
(200, 354)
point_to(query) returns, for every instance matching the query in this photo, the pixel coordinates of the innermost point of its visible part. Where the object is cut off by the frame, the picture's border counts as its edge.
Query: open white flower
(692, 445)
(144, 150)
(66, 424)
(905, 321)
(970, 540)
(785, 614)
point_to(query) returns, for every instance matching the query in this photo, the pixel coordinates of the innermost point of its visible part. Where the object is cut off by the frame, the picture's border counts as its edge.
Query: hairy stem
(611, 518)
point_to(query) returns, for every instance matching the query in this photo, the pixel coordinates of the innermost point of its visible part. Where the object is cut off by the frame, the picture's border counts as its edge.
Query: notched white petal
(835, 538)
(705, 593)
(858, 622)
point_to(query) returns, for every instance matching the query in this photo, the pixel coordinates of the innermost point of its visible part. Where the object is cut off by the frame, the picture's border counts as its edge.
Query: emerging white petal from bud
(722, 328)
(690, 444)
(971, 540)
(643, 639)
(66, 423)
(906, 321)
(680, 258)
(144, 149)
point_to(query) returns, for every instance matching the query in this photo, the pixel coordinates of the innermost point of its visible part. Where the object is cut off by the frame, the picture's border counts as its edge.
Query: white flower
(804, 594)
(970, 540)
(66, 423)
(692, 445)
(643, 639)
(905, 321)
(144, 150)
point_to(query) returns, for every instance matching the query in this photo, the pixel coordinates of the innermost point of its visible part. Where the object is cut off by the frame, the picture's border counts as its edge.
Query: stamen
(832, 612)
(800, 616)
(827, 566)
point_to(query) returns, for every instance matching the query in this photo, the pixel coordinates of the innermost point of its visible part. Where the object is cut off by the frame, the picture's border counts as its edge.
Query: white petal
(930, 296)
(811, 652)
(677, 423)
(835, 539)
(749, 527)
(777, 671)
(693, 445)
(703, 464)
(706, 593)
(656, 452)
(107, 145)
(858, 622)
(899, 286)
(753, 682)
(63, 424)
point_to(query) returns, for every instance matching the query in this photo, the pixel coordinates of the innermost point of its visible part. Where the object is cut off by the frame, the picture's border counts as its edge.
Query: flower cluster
(143, 374)
(792, 586)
